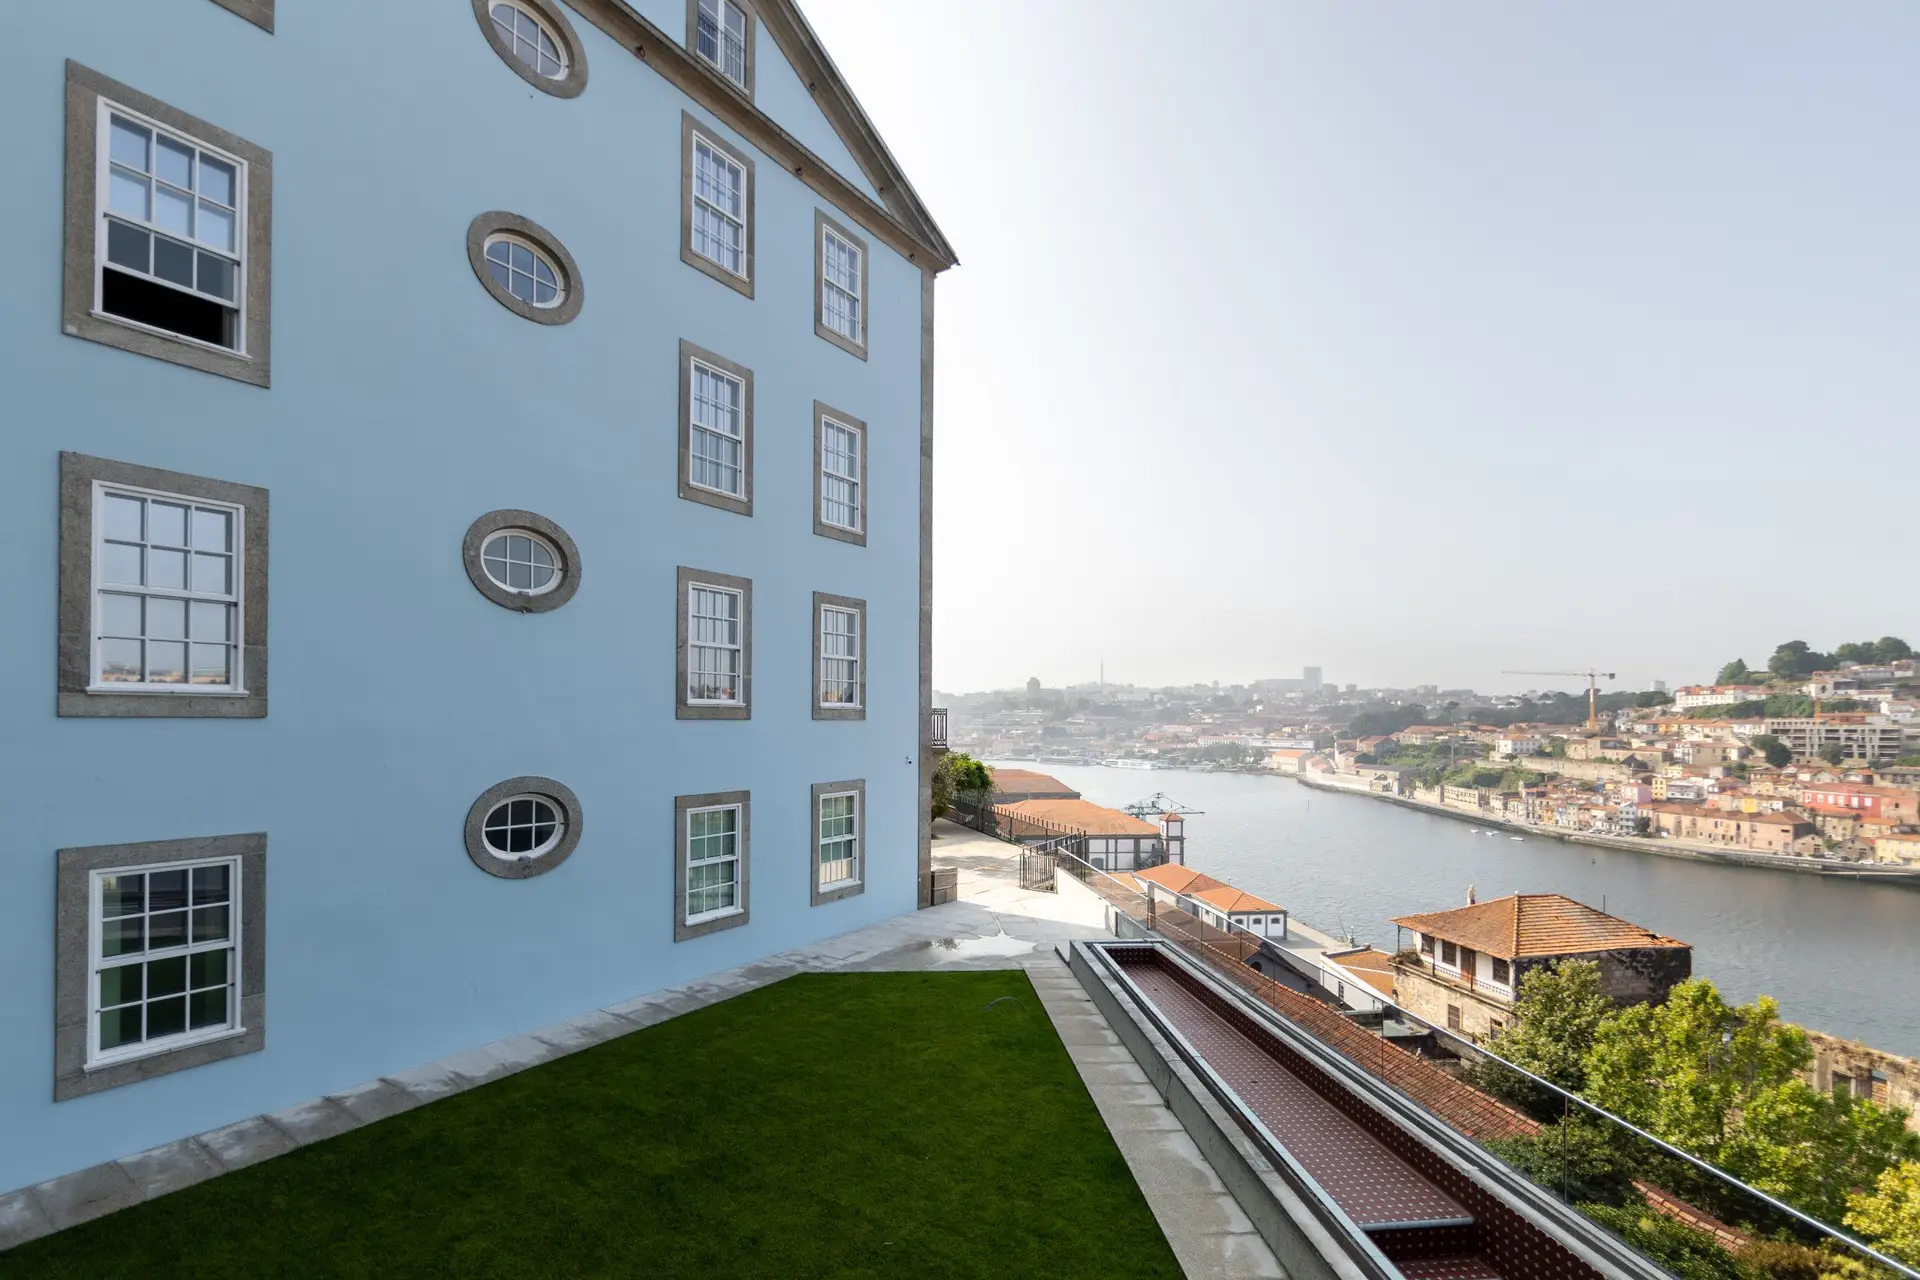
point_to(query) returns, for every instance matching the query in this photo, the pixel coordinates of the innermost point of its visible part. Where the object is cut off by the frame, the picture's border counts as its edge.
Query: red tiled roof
(1231, 900)
(1179, 879)
(1535, 924)
(1027, 783)
(1081, 815)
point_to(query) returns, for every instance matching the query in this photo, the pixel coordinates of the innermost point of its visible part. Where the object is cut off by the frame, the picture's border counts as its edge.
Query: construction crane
(1157, 804)
(1593, 679)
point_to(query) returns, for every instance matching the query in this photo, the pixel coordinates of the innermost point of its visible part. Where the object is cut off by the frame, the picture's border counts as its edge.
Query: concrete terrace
(994, 924)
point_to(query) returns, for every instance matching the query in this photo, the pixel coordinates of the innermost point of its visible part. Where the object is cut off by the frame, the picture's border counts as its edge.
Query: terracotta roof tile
(1535, 924)
(1025, 783)
(1081, 815)
(1179, 879)
(1231, 900)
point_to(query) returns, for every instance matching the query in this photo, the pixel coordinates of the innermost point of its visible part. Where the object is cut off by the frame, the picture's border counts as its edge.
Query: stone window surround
(688, 128)
(78, 475)
(821, 600)
(743, 505)
(258, 12)
(684, 710)
(73, 934)
(525, 868)
(822, 410)
(820, 897)
(81, 269)
(693, 46)
(821, 222)
(497, 222)
(572, 84)
(682, 805)
(512, 518)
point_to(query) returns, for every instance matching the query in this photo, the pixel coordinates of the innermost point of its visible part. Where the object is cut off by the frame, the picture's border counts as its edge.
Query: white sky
(1411, 341)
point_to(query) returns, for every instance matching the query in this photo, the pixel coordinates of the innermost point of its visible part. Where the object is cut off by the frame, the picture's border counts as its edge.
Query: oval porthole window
(525, 267)
(532, 43)
(523, 827)
(536, 40)
(521, 561)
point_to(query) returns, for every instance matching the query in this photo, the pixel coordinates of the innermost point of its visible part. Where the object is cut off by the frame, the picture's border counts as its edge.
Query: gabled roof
(1375, 968)
(1535, 924)
(1231, 900)
(1081, 815)
(1178, 879)
(1023, 784)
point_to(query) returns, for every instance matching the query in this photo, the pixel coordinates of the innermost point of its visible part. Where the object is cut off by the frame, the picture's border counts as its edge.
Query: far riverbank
(1907, 877)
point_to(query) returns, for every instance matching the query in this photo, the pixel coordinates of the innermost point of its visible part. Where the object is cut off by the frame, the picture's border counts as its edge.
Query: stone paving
(994, 924)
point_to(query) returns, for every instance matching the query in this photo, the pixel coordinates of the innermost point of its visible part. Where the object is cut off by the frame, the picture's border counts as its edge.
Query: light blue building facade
(470, 470)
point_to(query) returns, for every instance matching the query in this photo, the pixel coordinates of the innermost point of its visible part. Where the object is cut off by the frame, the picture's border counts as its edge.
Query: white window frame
(564, 54)
(719, 156)
(829, 422)
(235, 1025)
(540, 256)
(99, 586)
(695, 367)
(103, 170)
(541, 850)
(721, 10)
(538, 539)
(738, 648)
(689, 863)
(854, 703)
(829, 287)
(851, 840)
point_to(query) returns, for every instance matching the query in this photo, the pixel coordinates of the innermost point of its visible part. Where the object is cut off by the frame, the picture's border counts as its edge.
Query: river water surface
(1840, 956)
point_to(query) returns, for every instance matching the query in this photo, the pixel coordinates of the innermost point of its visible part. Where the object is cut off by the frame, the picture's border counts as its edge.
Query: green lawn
(876, 1124)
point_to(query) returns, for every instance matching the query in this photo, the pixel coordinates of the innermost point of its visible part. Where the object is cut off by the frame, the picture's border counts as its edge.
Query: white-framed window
(167, 574)
(532, 42)
(713, 862)
(164, 943)
(720, 37)
(838, 844)
(716, 444)
(523, 826)
(840, 278)
(840, 472)
(521, 561)
(719, 207)
(714, 647)
(839, 656)
(171, 255)
(523, 269)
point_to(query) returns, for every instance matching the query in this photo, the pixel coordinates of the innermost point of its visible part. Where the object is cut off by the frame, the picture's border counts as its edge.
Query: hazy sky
(1415, 341)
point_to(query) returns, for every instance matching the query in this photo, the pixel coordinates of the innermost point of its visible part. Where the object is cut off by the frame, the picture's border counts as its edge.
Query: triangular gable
(778, 91)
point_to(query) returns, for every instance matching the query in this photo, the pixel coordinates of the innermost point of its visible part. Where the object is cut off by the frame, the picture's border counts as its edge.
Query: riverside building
(470, 466)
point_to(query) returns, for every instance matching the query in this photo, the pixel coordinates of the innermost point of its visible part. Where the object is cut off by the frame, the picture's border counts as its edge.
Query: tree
(1833, 753)
(1891, 649)
(1723, 1082)
(1653, 698)
(1734, 672)
(1385, 720)
(1890, 1213)
(1796, 660)
(959, 775)
(1558, 1013)
(1776, 751)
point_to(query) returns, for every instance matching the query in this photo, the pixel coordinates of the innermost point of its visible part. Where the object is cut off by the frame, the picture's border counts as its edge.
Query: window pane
(173, 262)
(216, 227)
(120, 518)
(130, 195)
(172, 211)
(208, 1008)
(129, 144)
(210, 885)
(210, 664)
(169, 930)
(121, 563)
(166, 662)
(175, 163)
(121, 985)
(216, 180)
(123, 937)
(127, 247)
(207, 968)
(120, 1027)
(210, 574)
(210, 622)
(216, 276)
(166, 890)
(167, 569)
(166, 524)
(210, 924)
(120, 661)
(122, 895)
(166, 1017)
(119, 615)
(166, 977)
(167, 619)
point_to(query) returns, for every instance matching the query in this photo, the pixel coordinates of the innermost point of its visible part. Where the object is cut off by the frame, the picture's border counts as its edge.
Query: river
(1840, 956)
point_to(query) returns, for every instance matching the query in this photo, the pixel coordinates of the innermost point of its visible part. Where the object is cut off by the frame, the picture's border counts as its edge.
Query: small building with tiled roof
(1116, 841)
(1212, 901)
(1010, 786)
(1465, 966)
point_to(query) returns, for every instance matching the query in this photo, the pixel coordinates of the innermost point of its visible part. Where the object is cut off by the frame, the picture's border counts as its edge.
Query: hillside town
(1801, 760)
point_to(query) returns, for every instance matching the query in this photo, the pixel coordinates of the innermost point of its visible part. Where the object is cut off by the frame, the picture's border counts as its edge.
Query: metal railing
(1681, 1211)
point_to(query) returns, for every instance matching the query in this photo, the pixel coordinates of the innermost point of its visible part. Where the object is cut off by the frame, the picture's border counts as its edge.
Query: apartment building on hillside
(345, 340)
